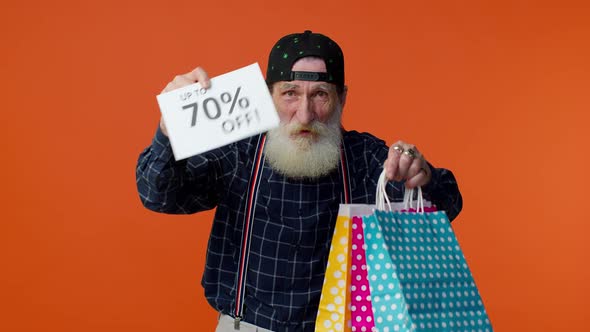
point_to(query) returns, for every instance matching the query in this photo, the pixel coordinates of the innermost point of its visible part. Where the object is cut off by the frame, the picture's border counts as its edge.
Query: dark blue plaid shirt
(293, 225)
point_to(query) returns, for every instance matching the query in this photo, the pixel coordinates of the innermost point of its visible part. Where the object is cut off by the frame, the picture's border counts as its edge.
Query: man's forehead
(294, 85)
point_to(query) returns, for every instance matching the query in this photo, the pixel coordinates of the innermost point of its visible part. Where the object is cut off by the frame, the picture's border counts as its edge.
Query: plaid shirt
(293, 222)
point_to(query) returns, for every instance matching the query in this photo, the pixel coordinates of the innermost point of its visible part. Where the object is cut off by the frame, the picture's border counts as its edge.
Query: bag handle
(382, 200)
(381, 197)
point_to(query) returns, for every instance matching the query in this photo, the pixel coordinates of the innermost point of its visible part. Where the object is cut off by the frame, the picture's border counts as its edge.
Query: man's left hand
(405, 163)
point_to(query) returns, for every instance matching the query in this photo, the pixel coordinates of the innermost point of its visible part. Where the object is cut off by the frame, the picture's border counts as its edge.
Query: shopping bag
(418, 276)
(345, 302)
(333, 314)
(362, 318)
(360, 297)
(334, 311)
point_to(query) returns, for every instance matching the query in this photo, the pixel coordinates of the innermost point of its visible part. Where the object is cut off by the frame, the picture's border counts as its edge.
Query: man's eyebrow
(287, 86)
(324, 86)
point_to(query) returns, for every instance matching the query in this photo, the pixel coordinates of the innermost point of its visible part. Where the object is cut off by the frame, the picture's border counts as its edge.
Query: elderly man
(277, 195)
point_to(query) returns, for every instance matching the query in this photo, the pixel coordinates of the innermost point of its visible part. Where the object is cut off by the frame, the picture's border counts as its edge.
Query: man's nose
(305, 113)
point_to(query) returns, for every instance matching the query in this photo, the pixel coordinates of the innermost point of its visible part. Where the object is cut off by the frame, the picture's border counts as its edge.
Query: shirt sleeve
(177, 187)
(443, 191)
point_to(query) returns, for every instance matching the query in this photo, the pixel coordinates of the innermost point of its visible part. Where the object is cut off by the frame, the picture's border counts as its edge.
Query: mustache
(316, 127)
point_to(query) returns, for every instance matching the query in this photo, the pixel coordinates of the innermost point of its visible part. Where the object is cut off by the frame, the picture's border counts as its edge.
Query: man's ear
(343, 96)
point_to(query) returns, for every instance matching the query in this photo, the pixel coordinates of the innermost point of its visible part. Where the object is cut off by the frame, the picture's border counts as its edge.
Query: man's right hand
(196, 75)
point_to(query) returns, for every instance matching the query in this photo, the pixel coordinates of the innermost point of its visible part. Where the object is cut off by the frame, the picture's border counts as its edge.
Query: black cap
(299, 45)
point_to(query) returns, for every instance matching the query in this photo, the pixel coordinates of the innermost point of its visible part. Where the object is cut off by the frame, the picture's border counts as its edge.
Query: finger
(417, 163)
(199, 75)
(182, 80)
(169, 87)
(399, 143)
(196, 75)
(418, 180)
(392, 162)
(391, 165)
(177, 83)
(415, 167)
(405, 162)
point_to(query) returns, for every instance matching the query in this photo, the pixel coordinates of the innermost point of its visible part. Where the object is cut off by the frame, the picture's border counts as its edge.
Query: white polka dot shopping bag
(417, 274)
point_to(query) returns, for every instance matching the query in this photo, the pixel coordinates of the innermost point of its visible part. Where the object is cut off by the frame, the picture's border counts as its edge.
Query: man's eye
(289, 93)
(321, 94)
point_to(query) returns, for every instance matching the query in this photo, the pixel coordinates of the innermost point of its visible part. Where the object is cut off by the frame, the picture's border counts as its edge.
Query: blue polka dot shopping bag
(418, 277)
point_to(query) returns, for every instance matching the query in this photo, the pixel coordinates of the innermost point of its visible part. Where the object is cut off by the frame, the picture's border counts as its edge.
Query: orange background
(497, 91)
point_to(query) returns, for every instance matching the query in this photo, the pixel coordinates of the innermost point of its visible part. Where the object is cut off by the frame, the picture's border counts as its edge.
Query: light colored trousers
(226, 324)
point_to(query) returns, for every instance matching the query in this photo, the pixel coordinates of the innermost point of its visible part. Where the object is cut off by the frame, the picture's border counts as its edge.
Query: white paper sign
(237, 105)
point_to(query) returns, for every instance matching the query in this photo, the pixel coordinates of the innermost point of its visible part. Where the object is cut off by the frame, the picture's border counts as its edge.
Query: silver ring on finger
(398, 148)
(410, 153)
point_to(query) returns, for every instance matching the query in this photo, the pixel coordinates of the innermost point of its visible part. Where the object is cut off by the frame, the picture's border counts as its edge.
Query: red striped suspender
(249, 219)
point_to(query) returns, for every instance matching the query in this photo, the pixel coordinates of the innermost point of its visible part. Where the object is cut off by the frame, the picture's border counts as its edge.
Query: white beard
(305, 157)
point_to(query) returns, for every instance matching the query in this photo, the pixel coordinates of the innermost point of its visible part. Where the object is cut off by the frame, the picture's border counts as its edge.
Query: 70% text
(212, 108)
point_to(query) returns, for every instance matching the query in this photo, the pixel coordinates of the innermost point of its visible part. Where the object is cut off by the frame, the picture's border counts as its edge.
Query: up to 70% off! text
(211, 107)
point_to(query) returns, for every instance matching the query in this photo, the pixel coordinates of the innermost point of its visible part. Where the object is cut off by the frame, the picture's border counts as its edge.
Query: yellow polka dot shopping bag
(417, 274)
(333, 314)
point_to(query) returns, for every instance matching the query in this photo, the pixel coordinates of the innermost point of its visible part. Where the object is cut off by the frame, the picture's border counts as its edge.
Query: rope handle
(382, 200)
